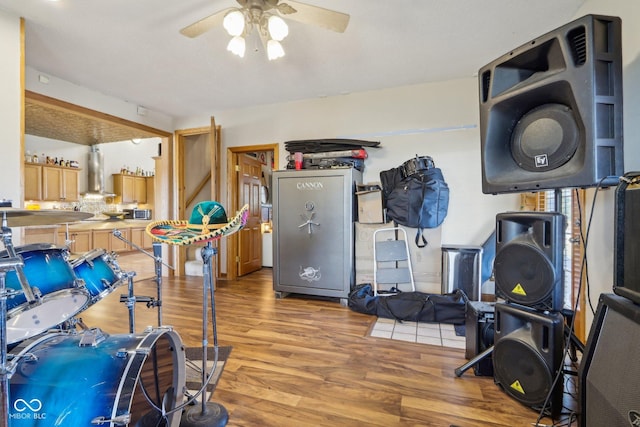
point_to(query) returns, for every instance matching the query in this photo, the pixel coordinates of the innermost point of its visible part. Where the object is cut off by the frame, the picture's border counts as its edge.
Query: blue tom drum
(53, 283)
(100, 273)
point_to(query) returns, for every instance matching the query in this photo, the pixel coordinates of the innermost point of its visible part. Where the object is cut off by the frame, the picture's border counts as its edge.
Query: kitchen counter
(107, 224)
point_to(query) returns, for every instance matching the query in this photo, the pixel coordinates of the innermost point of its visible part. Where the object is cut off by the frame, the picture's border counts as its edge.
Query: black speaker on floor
(527, 355)
(627, 241)
(479, 335)
(609, 370)
(551, 110)
(528, 263)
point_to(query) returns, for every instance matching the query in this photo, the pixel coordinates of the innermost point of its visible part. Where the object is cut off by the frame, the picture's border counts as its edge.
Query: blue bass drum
(53, 282)
(89, 379)
(100, 273)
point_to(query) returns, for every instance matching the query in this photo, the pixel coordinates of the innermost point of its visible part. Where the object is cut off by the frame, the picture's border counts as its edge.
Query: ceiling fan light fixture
(237, 46)
(278, 29)
(274, 50)
(234, 22)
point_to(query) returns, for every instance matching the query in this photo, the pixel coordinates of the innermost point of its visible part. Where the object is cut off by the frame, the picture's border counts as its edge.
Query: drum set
(56, 371)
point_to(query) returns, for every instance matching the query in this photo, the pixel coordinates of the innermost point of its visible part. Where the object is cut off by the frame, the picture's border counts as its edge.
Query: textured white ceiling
(132, 49)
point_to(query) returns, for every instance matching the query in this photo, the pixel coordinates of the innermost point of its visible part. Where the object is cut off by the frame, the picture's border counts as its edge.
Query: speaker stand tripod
(463, 368)
(207, 414)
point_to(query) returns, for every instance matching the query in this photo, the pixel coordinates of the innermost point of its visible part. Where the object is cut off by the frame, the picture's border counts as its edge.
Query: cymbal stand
(6, 264)
(209, 414)
(131, 299)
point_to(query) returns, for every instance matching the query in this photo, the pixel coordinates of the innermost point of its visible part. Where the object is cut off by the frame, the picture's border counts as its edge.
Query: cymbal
(26, 217)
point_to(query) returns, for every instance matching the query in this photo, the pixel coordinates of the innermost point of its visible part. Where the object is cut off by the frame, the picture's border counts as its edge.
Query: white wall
(438, 119)
(601, 240)
(10, 146)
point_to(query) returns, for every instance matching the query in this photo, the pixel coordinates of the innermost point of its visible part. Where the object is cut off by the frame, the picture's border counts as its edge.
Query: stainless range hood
(95, 171)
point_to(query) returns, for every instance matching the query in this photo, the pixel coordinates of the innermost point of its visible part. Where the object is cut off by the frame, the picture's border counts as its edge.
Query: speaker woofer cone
(545, 138)
(520, 369)
(523, 272)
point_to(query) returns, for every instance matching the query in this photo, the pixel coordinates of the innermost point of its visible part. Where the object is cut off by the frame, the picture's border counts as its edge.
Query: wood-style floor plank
(306, 361)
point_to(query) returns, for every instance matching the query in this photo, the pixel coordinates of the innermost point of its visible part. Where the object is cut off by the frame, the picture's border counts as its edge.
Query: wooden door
(250, 239)
(71, 185)
(32, 182)
(52, 183)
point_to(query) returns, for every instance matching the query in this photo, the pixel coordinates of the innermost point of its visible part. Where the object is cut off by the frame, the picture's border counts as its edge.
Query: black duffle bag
(410, 306)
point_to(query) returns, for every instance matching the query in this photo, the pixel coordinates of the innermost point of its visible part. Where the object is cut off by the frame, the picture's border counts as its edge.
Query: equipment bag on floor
(411, 306)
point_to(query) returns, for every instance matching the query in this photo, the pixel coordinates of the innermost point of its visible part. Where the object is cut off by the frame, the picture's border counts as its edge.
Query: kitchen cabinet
(81, 240)
(60, 183)
(104, 239)
(41, 234)
(32, 181)
(140, 238)
(130, 188)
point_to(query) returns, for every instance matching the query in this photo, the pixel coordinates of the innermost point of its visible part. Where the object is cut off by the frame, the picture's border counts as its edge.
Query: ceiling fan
(266, 16)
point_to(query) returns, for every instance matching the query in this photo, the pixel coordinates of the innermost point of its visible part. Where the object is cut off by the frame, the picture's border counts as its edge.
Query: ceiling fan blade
(314, 15)
(205, 24)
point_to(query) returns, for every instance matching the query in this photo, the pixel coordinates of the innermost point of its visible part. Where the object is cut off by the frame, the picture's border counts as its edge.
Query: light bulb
(234, 22)
(278, 29)
(274, 50)
(237, 46)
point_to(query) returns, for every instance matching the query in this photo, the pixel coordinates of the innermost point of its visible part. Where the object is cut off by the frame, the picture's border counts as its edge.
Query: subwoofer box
(479, 335)
(551, 110)
(610, 368)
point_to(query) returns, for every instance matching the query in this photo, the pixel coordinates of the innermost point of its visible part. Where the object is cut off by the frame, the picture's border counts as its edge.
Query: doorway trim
(232, 196)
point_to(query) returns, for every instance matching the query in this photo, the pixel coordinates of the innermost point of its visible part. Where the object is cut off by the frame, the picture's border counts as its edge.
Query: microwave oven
(137, 213)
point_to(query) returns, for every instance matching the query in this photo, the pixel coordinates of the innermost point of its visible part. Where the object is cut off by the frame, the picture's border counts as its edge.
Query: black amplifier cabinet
(479, 335)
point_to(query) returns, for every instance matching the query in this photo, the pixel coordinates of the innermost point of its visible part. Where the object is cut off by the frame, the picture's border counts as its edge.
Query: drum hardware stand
(151, 302)
(6, 264)
(209, 414)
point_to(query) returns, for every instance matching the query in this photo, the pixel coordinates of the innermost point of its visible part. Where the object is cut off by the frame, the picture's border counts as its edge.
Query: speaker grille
(611, 389)
(520, 370)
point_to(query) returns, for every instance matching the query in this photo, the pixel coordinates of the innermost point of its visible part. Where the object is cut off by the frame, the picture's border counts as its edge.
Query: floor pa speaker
(479, 335)
(609, 389)
(527, 355)
(528, 264)
(551, 110)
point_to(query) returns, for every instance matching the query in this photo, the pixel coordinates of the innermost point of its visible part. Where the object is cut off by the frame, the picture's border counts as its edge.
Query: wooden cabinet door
(80, 240)
(140, 190)
(104, 239)
(70, 185)
(32, 182)
(52, 184)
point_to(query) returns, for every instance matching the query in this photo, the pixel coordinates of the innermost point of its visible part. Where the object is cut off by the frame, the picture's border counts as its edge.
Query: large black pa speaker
(527, 356)
(626, 269)
(610, 368)
(551, 110)
(528, 264)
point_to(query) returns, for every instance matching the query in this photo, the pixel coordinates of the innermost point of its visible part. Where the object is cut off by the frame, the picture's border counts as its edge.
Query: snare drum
(58, 382)
(52, 281)
(100, 273)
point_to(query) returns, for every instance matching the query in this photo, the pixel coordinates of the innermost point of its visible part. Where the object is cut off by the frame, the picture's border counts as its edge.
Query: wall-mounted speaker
(551, 110)
(479, 335)
(609, 369)
(527, 356)
(528, 263)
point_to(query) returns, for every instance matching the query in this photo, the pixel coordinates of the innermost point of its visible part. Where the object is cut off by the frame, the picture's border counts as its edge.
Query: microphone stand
(131, 299)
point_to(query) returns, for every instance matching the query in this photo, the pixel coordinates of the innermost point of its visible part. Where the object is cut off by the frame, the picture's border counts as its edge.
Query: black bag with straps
(419, 200)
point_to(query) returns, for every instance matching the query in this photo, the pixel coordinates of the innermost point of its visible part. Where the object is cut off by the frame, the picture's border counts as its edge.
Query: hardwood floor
(305, 361)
